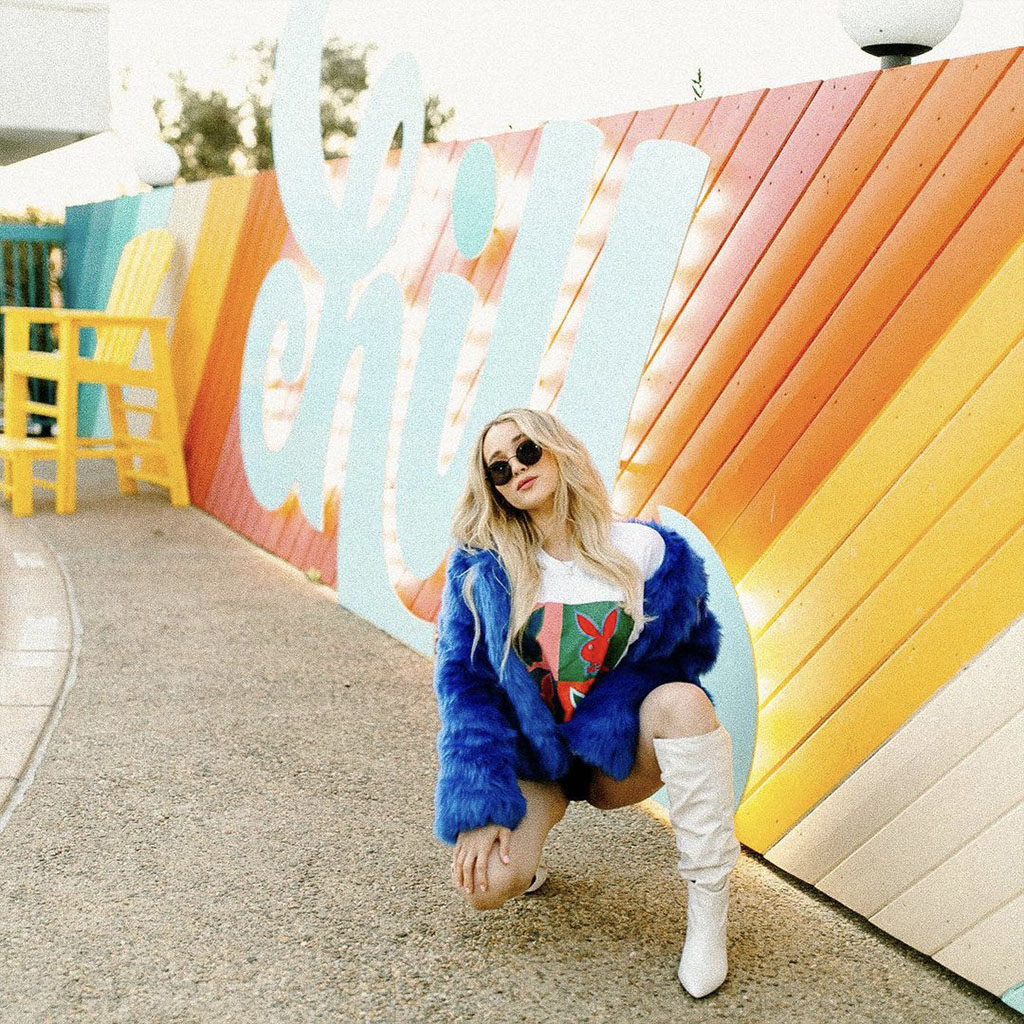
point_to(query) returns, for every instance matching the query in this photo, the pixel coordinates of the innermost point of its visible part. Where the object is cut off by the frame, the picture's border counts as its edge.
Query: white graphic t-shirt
(579, 629)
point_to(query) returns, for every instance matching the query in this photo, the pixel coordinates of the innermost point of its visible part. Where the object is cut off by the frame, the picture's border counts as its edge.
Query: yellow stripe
(952, 371)
(196, 321)
(930, 490)
(990, 509)
(985, 424)
(981, 607)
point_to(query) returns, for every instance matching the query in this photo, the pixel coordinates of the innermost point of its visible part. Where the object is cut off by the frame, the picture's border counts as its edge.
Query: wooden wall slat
(768, 171)
(989, 953)
(743, 141)
(694, 368)
(228, 486)
(950, 636)
(945, 380)
(890, 233)
(956, 455)
(974, 704)
(798, 388)
(965, 888)
(691, 316)
(929, 262)
(977, 791)
(915, 588)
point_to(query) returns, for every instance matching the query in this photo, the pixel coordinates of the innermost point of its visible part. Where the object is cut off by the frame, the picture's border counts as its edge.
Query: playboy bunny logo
(595, 649)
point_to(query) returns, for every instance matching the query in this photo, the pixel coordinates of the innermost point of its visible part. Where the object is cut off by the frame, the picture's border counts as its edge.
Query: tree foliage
(205, 133)
(214, 137)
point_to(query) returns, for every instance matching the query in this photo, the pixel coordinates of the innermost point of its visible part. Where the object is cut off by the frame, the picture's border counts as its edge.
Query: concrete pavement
(226, 816)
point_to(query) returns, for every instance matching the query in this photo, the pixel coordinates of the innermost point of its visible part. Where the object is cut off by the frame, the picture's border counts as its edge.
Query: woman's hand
(472, 851)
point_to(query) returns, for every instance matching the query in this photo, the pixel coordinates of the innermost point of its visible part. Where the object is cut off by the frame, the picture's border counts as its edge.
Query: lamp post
(156, 162)
(896, 32)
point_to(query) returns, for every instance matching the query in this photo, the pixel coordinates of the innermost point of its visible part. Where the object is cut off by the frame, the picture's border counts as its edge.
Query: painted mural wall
(826, 381)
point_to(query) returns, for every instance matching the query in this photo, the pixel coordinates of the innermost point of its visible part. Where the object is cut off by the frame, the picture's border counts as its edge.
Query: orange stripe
(196, 319)
(259, 246)
(888, 272)
(977, 249)
(696, 367)
(784, 168)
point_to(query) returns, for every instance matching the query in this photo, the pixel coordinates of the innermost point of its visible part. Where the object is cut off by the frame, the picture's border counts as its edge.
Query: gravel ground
(232, 822)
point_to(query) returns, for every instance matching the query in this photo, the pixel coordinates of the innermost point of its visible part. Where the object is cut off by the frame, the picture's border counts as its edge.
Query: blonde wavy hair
(483, 519)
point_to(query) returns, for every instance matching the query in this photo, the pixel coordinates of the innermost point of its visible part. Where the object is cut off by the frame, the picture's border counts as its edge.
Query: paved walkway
(227, 817)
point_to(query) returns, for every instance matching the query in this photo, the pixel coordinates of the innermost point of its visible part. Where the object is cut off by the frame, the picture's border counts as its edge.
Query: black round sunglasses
(527, 452)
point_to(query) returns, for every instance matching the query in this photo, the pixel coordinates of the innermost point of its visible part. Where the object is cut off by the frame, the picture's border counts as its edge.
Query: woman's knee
(677, 709)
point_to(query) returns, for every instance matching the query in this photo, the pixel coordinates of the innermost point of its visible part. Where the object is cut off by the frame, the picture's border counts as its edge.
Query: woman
(568, 657)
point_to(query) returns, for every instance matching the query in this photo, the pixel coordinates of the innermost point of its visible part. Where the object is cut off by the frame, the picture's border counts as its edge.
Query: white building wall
(54, 74)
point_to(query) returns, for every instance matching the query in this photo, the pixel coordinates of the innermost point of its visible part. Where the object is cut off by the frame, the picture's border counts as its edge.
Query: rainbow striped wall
(833, 396)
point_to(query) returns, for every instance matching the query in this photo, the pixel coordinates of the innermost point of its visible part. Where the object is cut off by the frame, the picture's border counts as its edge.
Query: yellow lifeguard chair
(119, 328)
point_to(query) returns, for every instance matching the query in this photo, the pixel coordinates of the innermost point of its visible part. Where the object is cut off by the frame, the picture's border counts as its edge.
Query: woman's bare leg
(674, 709)
(545, 807)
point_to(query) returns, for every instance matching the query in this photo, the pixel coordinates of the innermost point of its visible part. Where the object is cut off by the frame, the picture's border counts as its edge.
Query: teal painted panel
(152, 210)
(120, 229)
(1014, 997)
(84, 241)
(474, 199)
(732, 682)
(87, 229)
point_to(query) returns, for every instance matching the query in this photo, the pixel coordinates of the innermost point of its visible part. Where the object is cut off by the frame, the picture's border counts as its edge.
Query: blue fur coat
(495, 730)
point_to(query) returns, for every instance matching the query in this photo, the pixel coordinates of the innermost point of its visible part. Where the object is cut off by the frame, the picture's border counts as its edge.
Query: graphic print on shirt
(567, 646)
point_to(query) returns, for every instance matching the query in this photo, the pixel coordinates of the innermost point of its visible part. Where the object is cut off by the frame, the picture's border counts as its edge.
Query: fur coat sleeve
(477, 740)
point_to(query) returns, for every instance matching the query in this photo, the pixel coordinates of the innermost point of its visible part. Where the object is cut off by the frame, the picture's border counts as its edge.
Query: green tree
(205, 132)
(214, 137)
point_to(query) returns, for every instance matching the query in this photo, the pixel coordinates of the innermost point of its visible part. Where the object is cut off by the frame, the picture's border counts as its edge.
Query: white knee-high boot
(697, 772)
